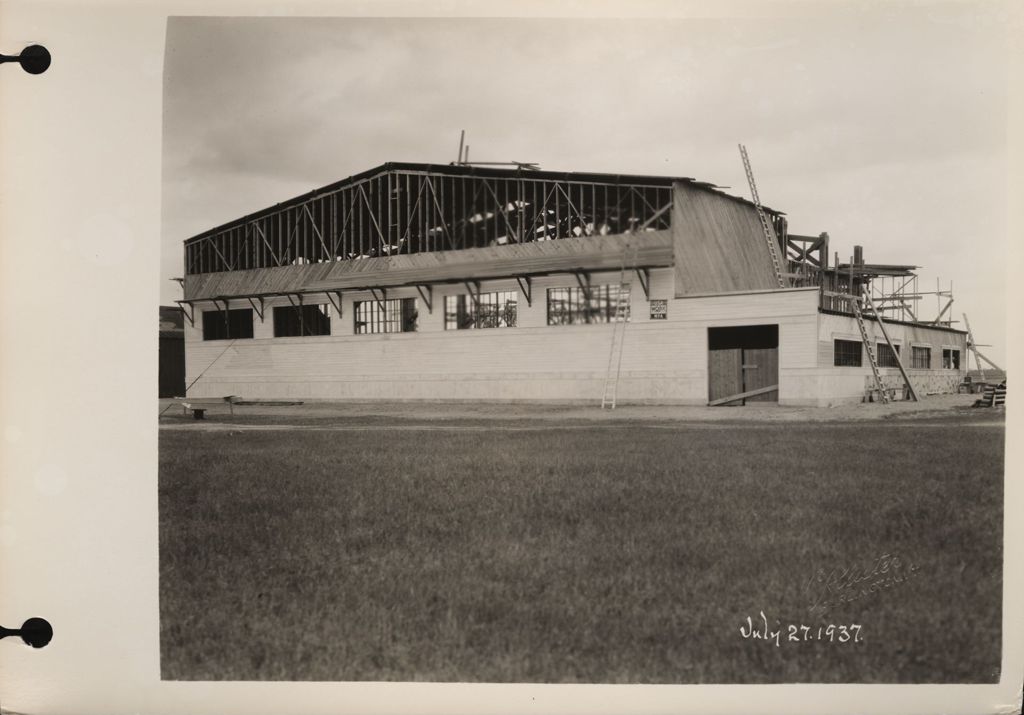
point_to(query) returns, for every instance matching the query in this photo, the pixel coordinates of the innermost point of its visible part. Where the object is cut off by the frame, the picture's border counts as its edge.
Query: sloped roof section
(458, 170)
(719, 244)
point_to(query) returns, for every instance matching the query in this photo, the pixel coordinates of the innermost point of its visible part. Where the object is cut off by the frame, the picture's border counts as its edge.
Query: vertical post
(558, 213)
(390, 199)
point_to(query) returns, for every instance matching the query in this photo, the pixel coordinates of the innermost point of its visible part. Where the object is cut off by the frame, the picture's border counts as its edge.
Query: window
(490, 310)
(920, 357)
(950, 359)
(847, 353)
(567, 306)
(295, 320)
(397, 315)
(886, 357)
(227, 324)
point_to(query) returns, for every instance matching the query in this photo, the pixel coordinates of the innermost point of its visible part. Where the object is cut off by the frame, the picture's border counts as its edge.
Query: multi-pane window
(886, 357)
(950, 359)
(489, 310)
(296, 320)
(920, 357)
(227, 324)
(847, 353)
(568, 306)
(397, 315)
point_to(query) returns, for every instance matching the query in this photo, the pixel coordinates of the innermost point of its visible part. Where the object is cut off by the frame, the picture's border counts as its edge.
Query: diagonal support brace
(335, 298)
(526, 286)
(260, 310)
(427, 294)
(644, 276)
(190, 314)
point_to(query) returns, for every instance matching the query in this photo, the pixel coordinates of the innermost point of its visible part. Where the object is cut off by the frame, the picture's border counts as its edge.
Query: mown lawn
(603, 554)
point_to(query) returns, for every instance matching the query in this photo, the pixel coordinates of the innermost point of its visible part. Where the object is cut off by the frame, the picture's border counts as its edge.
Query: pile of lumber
(994, 396)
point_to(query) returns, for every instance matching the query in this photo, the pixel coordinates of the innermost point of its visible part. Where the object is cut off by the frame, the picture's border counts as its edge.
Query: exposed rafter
(401, 209)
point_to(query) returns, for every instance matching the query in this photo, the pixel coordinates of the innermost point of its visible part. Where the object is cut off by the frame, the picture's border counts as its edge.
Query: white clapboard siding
(662, 361)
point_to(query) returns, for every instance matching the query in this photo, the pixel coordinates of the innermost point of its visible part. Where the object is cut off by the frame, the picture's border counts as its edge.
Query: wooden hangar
(464, 282)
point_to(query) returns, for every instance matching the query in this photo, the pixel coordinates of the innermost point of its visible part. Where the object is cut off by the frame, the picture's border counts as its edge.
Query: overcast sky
(883, 124)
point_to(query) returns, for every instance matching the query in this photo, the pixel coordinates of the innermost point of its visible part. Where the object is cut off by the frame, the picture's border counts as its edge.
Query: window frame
(915, 353)
(836, 355)
(309, 326)
(882, 349)
(398, 315)
(461, 312)
(231, 330)
(581, 309)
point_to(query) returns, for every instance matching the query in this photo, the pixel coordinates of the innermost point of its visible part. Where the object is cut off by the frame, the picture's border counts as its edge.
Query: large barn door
(725, 373)
(761, 369)
(743, 359)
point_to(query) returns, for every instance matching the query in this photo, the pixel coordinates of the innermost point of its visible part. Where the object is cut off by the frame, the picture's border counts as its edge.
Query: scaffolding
(894, 289)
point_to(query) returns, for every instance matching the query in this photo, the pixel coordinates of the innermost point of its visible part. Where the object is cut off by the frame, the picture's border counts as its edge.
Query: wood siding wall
(719, 244)
(663, 360)
(852, 381)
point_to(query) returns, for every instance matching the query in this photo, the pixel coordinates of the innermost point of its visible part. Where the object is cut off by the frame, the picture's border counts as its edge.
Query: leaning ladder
(871, 355)
(855, 303)
(892, 348)
(773, 248)
(611, 380)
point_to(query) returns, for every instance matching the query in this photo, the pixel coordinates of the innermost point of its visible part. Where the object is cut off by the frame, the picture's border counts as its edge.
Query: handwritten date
(799, 633)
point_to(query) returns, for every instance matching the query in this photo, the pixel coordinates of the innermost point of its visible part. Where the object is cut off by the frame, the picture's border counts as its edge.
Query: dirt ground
(931, 407)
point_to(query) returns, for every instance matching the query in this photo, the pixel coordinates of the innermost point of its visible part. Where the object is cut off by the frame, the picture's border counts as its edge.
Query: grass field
(578, 553)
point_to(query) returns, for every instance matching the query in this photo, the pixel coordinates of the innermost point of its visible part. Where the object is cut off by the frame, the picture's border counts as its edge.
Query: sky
(884, 124)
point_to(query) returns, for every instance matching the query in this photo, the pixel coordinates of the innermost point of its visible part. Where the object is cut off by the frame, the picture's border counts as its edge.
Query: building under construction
(461, 282)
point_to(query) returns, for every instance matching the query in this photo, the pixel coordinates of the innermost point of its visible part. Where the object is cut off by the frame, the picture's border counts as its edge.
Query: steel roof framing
(401, 209)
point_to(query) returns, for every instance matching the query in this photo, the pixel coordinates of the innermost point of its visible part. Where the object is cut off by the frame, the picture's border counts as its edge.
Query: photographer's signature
(827, 588)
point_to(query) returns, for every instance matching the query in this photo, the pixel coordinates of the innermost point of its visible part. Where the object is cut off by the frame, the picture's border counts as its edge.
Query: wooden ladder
(611, 380)
(773, 248)
(869, 347)
(888, 341)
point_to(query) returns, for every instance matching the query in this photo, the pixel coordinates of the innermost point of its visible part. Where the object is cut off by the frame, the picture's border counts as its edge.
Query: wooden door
(725, 376)
(741, 359)
(761, 369)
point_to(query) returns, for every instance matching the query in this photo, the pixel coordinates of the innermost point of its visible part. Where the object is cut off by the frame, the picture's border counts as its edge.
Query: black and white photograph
(584, 350)
(546, 358)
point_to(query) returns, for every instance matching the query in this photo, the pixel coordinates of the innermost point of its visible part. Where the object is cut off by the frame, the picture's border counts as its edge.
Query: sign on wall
(659, 309)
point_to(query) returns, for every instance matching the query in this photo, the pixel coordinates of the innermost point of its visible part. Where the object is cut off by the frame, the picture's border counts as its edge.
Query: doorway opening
(743, 365)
